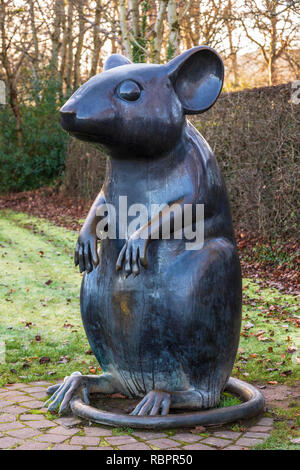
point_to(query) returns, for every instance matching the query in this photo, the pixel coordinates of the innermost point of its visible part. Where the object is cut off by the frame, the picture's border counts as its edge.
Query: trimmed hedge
(255, 135)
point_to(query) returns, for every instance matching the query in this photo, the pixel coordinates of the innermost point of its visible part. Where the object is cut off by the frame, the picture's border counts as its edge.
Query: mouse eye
(129, 90)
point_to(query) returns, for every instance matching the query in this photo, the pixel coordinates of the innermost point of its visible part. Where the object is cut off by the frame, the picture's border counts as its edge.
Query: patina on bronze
(162, 321)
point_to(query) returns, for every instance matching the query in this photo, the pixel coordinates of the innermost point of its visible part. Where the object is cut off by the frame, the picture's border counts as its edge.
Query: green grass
(286, 428)
(39, 294)
(270, 349)
(32, 253)
(228, 400)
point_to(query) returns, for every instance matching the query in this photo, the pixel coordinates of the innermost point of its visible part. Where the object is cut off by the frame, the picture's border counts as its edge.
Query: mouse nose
(68, 116)
(69, 107)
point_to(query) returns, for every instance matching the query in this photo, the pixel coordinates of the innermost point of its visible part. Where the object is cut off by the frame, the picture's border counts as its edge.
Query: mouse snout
(68, 116)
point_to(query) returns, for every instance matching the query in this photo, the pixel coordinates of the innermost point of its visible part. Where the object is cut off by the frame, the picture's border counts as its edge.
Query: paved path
(25, 424)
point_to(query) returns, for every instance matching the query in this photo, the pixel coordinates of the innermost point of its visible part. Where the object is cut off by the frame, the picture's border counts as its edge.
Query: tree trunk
(70, 45)
(134, 8)
(63, 46)
(55, 36)
(10, 77)
(96, 40)
(173, 41)
(35, 60)
(230, 24)
(79, 44)
(124, 29)
(272, 72)
(159, 30)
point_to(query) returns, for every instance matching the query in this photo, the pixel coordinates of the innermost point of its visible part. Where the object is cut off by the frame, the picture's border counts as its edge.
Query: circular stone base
(252, 406)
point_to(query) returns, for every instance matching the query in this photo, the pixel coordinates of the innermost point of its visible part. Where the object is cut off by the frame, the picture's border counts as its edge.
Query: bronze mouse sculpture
(162, 321)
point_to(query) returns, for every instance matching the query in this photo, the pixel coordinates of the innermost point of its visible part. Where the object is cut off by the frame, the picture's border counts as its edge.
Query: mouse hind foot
(78, 384)
(160, 402)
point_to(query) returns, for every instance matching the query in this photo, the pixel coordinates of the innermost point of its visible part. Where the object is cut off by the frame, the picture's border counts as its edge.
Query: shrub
(41, 158)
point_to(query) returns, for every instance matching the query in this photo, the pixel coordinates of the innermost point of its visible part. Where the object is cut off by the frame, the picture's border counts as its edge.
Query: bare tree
(229, 15)
(124, 28)
(69, 40)
(96, 39)
(55, 33)
(174, 28)
(159, 29)
(272, 25)
(12, 59)
(81, 25)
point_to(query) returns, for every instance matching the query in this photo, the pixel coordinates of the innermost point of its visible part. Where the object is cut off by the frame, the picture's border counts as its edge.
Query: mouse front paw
(75, 384)
(133, 255)
(86, 252)
(152, 403)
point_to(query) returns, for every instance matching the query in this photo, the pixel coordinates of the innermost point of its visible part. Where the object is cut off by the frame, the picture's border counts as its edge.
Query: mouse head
(139, 109)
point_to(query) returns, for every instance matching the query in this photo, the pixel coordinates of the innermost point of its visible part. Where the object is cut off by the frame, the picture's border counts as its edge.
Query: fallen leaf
(63, 360)
(44, 360)
(116, 395)
(198, 429)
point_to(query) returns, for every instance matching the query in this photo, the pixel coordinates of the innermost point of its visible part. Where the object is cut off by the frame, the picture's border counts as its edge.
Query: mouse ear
(115, 60)
(197, 76)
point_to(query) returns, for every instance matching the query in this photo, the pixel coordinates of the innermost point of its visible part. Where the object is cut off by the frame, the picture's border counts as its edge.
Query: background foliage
(40, 158)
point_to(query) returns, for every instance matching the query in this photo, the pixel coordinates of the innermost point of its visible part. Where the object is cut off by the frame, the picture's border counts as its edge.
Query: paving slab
(13, 409)
(25, 430)
(33, 404)
(40, 424)
(216, 442)
(163, 443)
(6, 418)
(258, 435)
(12, 387)
(64, 431)
(149, 434)
(99, 448)
(227, 434)
(10, 426)
(33, 446)
(197, 447)
(233, 447)
(66, 447)
(265, 422)
(187, 437)
(262, 429)
(119, 440)
(52, 438)
(68, 422)
(7, 442)
(136, 446)
(24, 433)
(95, 431)
(85, 440)
(248, 442)
(33, 389)
(31, 417)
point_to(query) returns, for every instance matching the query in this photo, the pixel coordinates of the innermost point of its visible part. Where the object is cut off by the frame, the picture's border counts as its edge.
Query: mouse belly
(175, 326)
